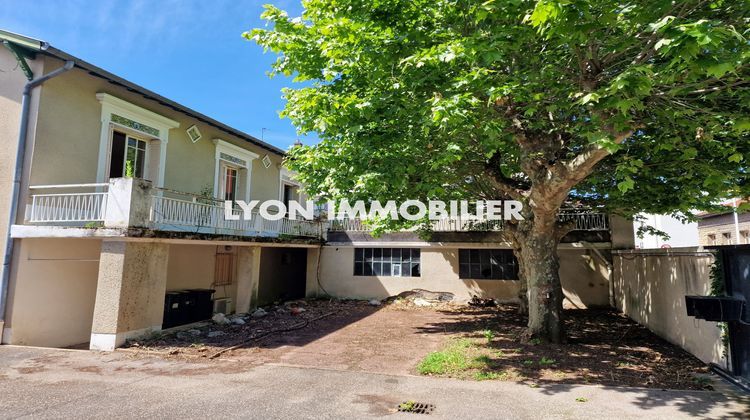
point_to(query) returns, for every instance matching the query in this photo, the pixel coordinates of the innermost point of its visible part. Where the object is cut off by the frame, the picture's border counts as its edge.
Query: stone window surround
(235, 156)
(146, 124)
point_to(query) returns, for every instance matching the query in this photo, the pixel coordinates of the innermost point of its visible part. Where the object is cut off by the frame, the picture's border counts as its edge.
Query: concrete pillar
(311, 286)
(248, 278)
(128, 203)
(130, 292)
(623, 235)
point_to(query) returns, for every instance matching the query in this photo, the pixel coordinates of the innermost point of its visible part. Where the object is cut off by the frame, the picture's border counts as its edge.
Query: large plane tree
(634, 106)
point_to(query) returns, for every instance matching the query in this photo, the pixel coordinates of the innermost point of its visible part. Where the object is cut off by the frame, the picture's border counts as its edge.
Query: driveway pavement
(50, 383)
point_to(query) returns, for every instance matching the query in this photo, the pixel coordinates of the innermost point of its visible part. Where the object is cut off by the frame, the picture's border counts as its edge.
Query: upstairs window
(230, 182)
(387, 262)
(128, 157)
(496, 264)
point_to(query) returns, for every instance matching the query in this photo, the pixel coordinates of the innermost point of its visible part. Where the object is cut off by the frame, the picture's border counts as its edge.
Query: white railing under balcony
(585, 220)
(67, 207)
(173, 210)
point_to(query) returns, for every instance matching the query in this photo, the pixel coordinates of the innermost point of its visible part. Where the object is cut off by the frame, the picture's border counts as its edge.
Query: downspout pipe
(17, 175)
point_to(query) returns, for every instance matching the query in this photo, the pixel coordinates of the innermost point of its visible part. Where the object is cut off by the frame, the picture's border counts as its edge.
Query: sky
(189, 51)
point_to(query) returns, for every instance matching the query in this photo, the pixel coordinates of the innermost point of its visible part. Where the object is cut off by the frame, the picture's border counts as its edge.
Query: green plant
(535, 341)
(581, 399)
(718, 288)
(484, 376)
(129, 170)
(407, 406)
(483, 360)
(546, 362)
(703, 382)
(528, 362)
(452, 359)
(488, 335)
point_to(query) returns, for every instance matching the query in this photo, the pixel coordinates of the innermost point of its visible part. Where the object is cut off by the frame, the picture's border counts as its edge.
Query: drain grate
(415, 407)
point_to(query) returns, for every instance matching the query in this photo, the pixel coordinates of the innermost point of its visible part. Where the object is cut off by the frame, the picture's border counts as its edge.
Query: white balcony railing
(585, 220)
(205, 214)
(71, 207)
(121, 204)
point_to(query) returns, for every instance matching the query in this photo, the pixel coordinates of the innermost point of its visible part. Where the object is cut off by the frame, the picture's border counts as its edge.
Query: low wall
(583, 273)
(52, 292)
(650, 286)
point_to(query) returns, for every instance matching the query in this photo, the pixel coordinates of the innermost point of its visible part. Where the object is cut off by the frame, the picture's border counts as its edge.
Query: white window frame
(112, 105)
(237, 154)
(225, 166)
(146, 154)
(287, 177)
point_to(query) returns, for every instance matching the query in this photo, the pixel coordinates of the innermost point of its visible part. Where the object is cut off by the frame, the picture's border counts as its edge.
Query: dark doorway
(283, 274)
(736, 263)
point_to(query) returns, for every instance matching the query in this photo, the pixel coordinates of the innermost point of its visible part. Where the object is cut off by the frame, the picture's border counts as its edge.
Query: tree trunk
(540, 270)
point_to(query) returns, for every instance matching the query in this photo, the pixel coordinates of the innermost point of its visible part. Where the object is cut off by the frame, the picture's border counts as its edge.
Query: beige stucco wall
(584, 278)
(12, 82)
(193, 267)
(650, 287)
(130, 287)
(584, 275)
(67, 145)
(52, 294)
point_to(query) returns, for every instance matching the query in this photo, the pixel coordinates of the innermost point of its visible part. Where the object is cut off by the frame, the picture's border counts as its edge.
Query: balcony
(133, 203)
(584, 220)
(124, 204)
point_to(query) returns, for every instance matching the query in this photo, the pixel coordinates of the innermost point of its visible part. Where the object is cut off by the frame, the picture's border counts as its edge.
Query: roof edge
(47, 49)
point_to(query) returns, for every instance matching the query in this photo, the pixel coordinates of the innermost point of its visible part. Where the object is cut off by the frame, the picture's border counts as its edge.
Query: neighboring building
(725, 228)
(680, 234)
(121, 201)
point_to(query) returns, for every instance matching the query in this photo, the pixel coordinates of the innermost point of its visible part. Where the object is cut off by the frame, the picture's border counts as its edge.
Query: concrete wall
(192, 267)
(53, 290)
(650, 287)
(67, 144)
(583, 274)
(12, 82)
(129, 293)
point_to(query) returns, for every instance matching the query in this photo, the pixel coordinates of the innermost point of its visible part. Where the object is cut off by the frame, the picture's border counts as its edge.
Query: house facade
(724, 228)
(120, 202)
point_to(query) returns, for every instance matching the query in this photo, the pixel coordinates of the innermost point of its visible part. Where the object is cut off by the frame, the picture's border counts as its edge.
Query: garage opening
(282, 274)
(201, 280)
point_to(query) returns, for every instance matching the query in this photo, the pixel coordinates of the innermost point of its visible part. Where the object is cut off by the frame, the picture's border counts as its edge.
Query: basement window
(494, 264)
(387, 262)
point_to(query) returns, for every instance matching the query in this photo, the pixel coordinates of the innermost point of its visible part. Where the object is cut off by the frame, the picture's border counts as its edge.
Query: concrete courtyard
(51, 383)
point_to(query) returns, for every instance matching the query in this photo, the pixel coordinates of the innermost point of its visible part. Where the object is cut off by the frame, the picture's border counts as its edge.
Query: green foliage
(451, 360)
(488, 335)
(546, 362)
(489, 375)
(716, 275)
(718, 288)
(407, 405)
(425, 99)
(129, 169)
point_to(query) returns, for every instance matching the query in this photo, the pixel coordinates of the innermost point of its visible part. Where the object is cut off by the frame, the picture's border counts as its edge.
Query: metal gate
(736, 262)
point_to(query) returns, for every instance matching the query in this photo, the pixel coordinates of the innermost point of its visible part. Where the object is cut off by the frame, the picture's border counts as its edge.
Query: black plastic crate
(174, 311)
(714, 308)
(203, 306)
